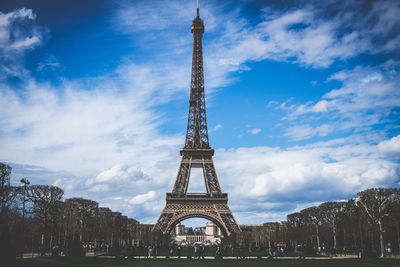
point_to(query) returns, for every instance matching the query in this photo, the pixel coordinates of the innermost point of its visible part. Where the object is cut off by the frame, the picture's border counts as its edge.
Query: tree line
(368, 224)
(36, 218)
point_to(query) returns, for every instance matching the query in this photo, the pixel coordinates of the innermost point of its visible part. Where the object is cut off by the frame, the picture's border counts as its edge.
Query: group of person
(198, 251)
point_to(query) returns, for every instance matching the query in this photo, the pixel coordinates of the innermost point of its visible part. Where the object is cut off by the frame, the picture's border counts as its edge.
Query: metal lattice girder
(211, 178)
(213, 208)
(182, 179)
(197, 154)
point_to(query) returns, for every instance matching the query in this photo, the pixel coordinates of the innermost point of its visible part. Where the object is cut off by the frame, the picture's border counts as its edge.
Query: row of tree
(370, 222)
(36, 218)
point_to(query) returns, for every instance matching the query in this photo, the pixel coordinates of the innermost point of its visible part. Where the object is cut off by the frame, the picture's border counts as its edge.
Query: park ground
(104, 262)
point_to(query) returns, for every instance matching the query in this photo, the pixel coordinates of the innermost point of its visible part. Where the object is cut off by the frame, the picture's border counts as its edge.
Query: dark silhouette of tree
(331, 212)
(7, 194)
(352, 222)
(376, 203)
(82, 215)
(47, 210)
(313, 216)
(296, 223)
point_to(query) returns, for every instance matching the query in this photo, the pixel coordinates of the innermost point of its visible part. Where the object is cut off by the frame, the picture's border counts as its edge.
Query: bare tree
(46, 209)
(376, 203)
(82, 215)
(7, 194)
(105, 225)
(395, 218)
(296, 224)
(6, 191)
(314, 217)
(352, 224)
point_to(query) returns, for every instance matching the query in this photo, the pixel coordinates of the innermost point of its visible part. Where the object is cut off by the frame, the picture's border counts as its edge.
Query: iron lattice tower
(197, 153)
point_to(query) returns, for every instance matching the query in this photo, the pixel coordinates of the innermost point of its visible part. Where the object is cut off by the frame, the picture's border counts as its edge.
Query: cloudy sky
(303, 99)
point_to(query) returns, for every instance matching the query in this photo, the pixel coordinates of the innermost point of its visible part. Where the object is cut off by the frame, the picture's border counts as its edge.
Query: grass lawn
(92, 262)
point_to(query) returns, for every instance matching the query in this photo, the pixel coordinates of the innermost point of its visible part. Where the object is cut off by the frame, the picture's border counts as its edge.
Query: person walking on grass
(218, 253)
(179, 251)
(201, 252)
(195, 251)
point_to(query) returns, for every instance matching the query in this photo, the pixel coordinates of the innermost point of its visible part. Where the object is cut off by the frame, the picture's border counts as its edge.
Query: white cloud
(305, 131)
(18, 34)
(140, 199)
(216, 128)
(390, 147)
(296, 177)
(300, 34)
(321, 106)
(99, 188)
(85, 130)
(117, 174)
(159, 15)
(305, 36)
(254, 131)
(6, 26)
(26, 43)
(365, 98)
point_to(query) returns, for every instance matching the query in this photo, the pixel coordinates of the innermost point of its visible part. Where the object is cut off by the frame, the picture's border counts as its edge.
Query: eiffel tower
(197, 153)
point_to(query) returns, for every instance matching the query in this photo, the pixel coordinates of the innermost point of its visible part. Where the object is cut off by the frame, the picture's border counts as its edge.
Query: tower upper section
(197, 132)
(198, 24)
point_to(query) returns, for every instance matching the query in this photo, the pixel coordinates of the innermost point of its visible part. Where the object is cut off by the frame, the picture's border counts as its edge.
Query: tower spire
(197, 132)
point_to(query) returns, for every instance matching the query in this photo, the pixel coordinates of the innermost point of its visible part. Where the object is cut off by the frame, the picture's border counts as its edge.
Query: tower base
(213, 207)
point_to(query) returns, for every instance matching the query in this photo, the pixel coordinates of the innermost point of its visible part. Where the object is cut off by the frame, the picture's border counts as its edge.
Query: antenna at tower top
(198, 11)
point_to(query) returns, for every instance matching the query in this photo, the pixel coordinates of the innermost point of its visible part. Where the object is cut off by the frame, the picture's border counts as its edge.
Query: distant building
(179, 229)
(210, 234)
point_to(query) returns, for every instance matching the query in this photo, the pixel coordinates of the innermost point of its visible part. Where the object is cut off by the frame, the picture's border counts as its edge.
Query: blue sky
(302, 99)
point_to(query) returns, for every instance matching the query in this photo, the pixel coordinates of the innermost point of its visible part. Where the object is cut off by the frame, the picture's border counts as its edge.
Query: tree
(105, 225)
(395, 211)
(313, 216)
(376, 203)
(331, 212)
(295, 224)
(6, 191)
(7, 194)
(47, 208)
(117, 227)
(393, 219)
(82, 215)
(352, 223)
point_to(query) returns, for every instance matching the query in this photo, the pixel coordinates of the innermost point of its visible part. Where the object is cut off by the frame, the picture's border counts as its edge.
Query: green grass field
(92, 262)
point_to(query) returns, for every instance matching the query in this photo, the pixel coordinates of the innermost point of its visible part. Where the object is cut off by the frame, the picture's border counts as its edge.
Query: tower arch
(204, 215)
